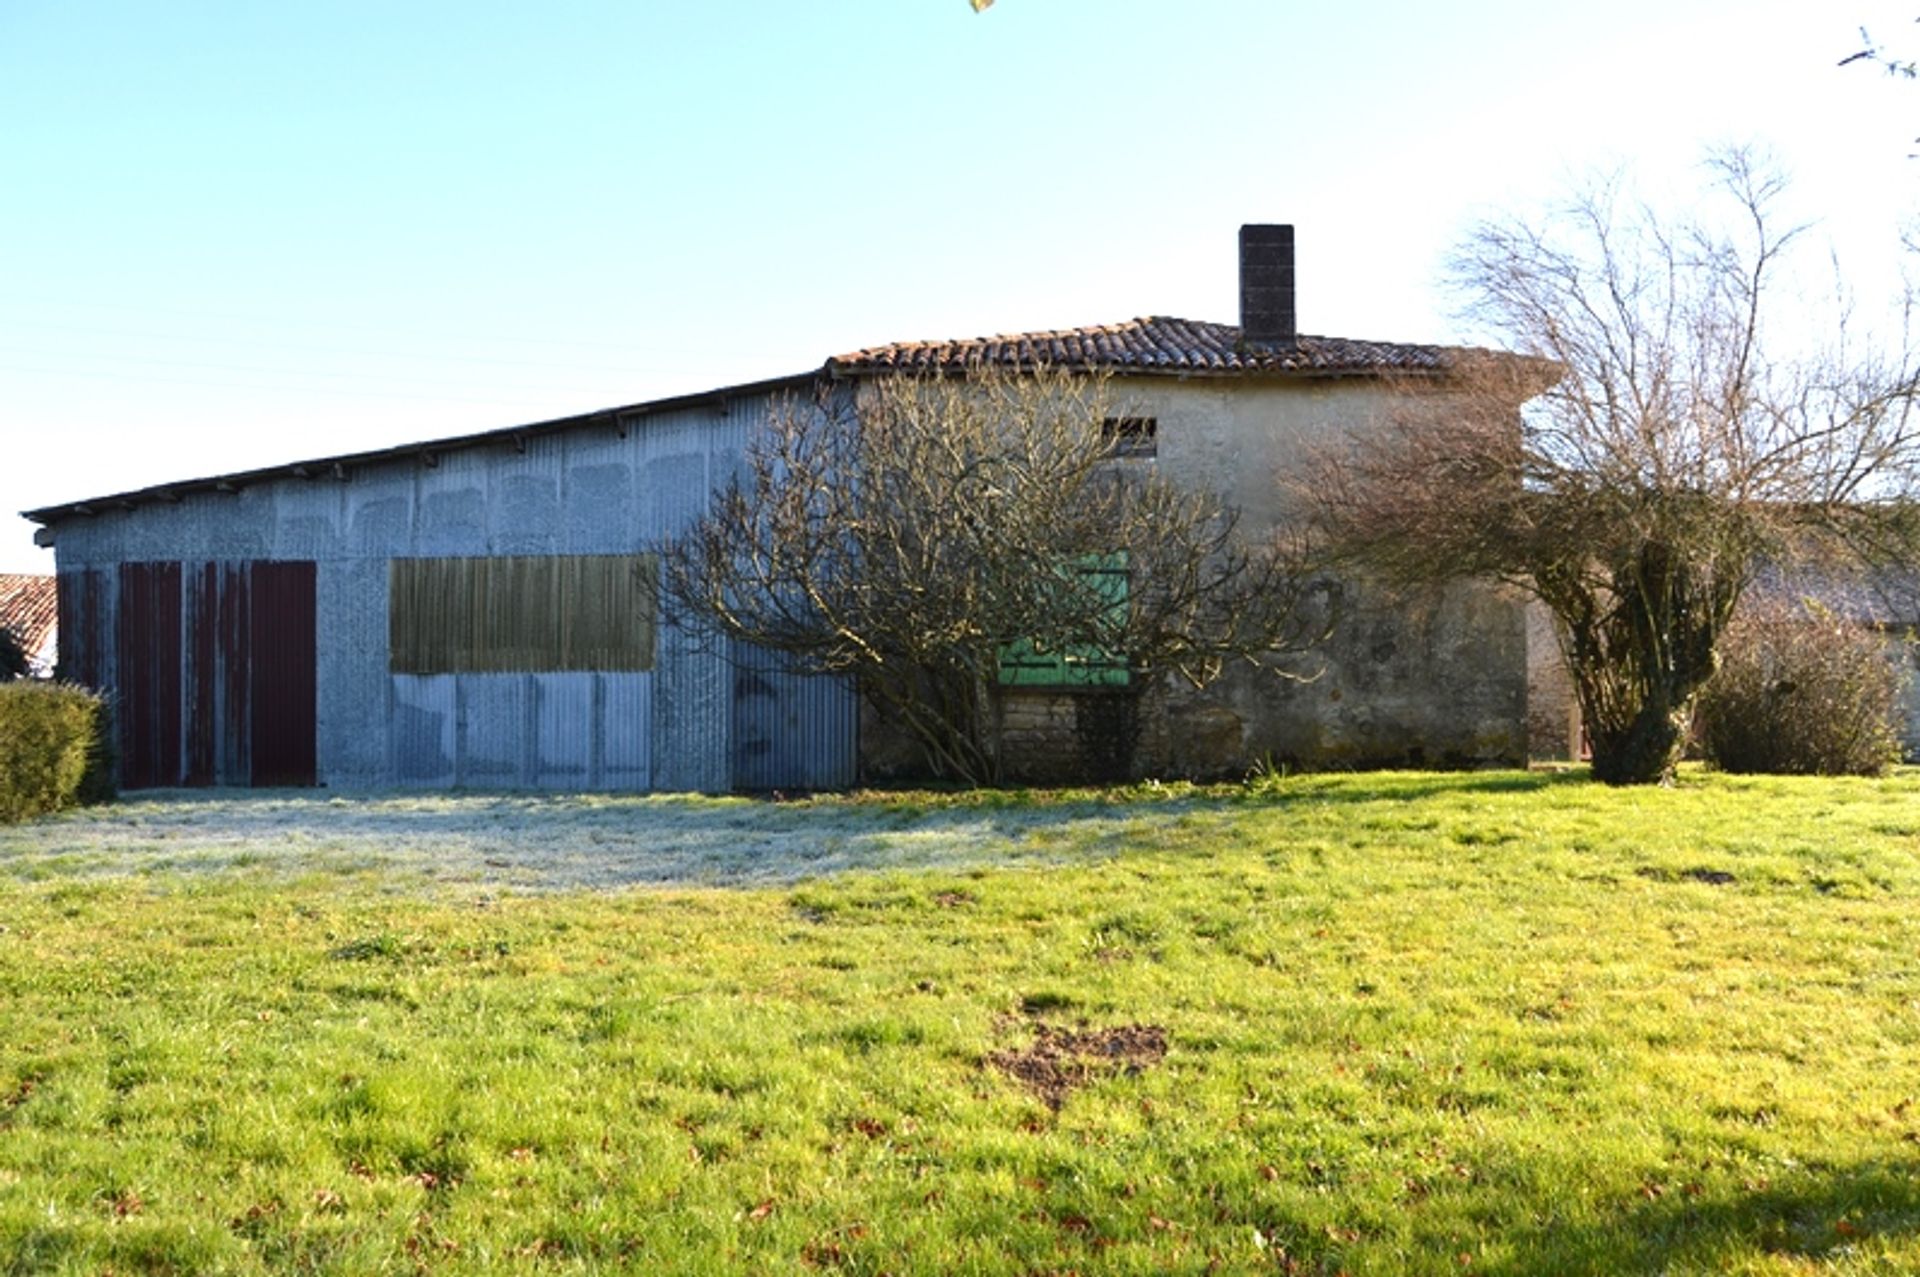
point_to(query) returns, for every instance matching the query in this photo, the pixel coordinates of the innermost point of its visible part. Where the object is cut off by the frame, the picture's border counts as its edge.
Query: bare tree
(1872, 51)
(1692, 417)
(910, 533)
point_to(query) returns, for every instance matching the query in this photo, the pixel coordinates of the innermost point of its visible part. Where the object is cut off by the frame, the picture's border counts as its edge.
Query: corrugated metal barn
(478, 612)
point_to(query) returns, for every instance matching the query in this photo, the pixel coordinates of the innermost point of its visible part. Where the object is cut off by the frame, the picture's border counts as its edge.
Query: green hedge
(54, 749)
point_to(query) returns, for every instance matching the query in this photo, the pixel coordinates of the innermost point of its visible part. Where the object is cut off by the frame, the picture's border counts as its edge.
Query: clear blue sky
(233, 234)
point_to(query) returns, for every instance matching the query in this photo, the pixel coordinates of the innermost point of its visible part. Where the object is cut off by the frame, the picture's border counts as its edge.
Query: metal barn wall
(595, 489)
(790, 731)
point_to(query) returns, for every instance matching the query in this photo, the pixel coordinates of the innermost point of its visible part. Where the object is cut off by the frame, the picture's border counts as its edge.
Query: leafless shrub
(1801, 691)
(904, 532)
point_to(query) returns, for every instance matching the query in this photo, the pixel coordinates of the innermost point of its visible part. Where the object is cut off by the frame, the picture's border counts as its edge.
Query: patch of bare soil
(1060, 1060)
(1712, 877)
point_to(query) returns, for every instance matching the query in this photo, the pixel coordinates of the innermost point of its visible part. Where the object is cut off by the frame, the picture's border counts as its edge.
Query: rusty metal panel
(791, 731)
(523, 614)
(233, 745)
(281, 683)
(202, 672)
(147, 657)
(85, 638)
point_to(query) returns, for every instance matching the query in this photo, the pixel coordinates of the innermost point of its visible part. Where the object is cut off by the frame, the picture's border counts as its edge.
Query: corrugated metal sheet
(625, 704)
(521, 614)
(492, 726)
(202, 674)
(212, 668)
(692, 708)
(567, 731)
(84, 630)
(233, 745)
(791, 731)
(147, 643)
(423, 729)
(508, 731)
(281, 683)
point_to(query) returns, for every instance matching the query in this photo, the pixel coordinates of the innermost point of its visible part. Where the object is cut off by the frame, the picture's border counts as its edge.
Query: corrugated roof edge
(322, 467)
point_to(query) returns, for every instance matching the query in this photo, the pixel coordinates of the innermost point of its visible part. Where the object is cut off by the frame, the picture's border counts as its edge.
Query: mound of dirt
(1059, 1060)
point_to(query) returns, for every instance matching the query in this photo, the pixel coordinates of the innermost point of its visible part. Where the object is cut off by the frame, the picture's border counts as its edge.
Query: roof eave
(339, 466)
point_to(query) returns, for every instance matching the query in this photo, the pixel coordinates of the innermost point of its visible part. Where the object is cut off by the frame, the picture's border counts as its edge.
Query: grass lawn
(1405, 1023)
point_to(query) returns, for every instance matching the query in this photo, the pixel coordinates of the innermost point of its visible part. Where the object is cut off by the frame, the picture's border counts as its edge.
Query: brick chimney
(1266, 286)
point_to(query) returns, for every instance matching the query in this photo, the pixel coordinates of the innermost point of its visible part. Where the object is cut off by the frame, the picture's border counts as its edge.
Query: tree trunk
(1644, 753)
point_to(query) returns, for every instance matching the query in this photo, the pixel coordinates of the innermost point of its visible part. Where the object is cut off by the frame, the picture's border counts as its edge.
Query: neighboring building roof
(1156, 344)
(29, 606)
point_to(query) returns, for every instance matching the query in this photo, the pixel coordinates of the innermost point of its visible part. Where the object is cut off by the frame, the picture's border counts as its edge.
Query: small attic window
(1131, 436)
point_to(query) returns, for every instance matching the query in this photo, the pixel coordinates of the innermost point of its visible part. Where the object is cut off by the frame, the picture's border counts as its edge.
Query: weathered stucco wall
(1431, 678)
(1903, 652)
(1553, 721)
(1435, 678)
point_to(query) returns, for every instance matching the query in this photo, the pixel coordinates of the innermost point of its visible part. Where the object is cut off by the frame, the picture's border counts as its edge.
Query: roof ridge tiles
(1152, 342)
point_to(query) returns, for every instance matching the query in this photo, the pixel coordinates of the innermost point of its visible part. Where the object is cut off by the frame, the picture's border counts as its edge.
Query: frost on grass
(551, 842)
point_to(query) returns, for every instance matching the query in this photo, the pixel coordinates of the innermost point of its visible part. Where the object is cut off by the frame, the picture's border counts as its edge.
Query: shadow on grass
(1373, 787)
(1812, 1218)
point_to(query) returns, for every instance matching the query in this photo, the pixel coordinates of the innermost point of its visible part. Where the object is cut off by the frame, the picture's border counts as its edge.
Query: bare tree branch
(904, 534)
(1674, 442)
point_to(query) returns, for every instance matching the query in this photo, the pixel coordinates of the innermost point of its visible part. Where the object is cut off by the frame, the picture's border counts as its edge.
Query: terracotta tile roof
(29, 607)
(1156, 344)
